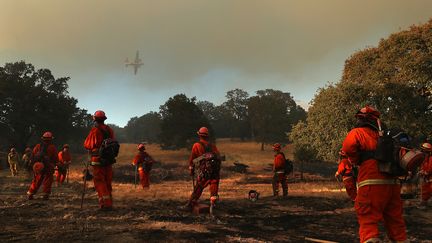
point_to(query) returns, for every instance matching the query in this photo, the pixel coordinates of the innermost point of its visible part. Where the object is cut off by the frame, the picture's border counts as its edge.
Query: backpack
(109, 148)
(289, 166)
(209, 166)
(42, 154)
(388, 152)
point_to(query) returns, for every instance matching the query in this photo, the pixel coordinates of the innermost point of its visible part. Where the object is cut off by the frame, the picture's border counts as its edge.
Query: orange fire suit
(346, 171)
(47, 154)
(279, 176)
(426, 169)
(102, 175)
(62, 166)
(378, 196)
(197, 150)
(143, 161)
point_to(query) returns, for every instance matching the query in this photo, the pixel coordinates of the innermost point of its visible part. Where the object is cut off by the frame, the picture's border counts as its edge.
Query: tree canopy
(386, 77)
(34, 101)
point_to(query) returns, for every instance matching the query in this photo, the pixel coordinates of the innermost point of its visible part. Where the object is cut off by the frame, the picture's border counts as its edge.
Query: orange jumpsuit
(346, 171)
(102, 175)
(201, 183)
(46, 177)
(143, 160)
(375, 202)
(279, 176)
(426, 167)
(62, 166)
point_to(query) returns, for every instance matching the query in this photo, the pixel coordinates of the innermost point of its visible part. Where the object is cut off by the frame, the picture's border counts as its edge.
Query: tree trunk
(262, 146)
(301, 170)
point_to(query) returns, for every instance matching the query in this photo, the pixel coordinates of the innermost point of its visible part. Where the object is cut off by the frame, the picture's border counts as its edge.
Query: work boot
(275, 193)
(30, 196)
(187, 207)
(45, 197)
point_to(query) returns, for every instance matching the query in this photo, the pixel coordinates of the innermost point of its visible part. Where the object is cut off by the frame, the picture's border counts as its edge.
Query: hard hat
(47, 136)
(203, 132)
(368, 112)
(28, 149)
(99, 115)
(426, 147)
(141, 146)
(38, 167)
(13, 150)
(66, 146)
(277, 147)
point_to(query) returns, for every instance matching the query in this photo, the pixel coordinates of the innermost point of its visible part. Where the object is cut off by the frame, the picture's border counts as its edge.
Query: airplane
(136, 63)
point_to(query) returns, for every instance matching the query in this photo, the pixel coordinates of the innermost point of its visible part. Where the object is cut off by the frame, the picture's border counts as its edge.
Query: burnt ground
(147, 217)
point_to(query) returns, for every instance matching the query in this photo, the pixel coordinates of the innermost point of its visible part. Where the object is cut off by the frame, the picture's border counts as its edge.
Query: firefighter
(13, 161)
(205, 158)
(426, 173)
(143, 162)
(45, 157)
(102, 172)
(26, 158)
(378, 196)
(62, 168)
(279, 173)
(345, 170)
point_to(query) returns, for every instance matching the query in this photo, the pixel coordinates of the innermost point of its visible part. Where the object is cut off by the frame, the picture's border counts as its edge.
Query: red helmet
(99, 115)
(38, 167)
(47, 136)
(277, 147)
(426, 147)
(203, 132)
(141, 147)
(368, 112)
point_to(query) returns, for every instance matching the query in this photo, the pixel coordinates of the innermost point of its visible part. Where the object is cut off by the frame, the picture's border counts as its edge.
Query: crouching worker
(426, 173)
(345, 170)
(143, 163)
(63, 164)
(205, 160)
(45, 157)
(280, 172)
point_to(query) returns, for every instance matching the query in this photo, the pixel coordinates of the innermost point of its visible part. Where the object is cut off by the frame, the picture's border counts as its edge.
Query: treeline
(266, 117)
(34, 101)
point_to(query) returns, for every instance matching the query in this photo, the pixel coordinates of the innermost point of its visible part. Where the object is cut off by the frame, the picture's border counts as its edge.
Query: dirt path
(153, 215)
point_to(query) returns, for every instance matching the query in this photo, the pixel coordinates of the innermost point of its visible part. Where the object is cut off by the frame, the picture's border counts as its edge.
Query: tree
(181, 119)
(237, 106)
(387, 77)
(145, 128)
(272, 114)
(33, 101)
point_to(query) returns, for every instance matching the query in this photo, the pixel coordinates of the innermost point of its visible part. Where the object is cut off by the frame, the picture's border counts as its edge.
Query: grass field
(316, 207)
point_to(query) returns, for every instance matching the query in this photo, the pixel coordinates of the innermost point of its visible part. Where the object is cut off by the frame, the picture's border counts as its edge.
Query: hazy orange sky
(201, 48)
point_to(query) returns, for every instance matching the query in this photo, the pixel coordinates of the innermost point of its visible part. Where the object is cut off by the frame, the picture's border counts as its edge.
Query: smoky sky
(197, 47)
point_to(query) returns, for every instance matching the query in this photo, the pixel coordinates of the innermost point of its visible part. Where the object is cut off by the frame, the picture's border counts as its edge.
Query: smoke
(295, 45)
